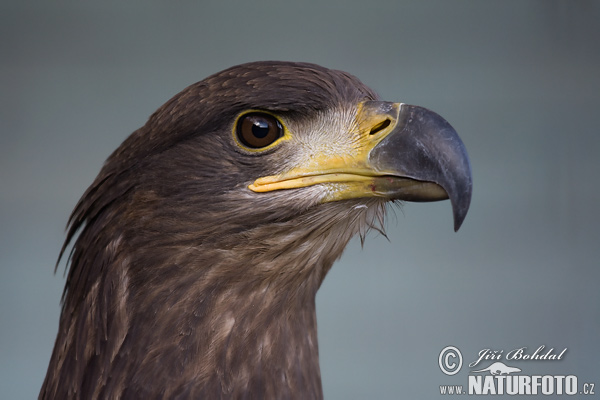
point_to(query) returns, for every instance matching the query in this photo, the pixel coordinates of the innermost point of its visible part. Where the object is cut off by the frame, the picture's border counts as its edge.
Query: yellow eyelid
(286, 133)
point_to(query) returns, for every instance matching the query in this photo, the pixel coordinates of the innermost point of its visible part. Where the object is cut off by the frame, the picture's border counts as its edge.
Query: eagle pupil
(260, 129)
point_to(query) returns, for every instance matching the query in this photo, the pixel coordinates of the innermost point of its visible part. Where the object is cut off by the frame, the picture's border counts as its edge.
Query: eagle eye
(257, 130)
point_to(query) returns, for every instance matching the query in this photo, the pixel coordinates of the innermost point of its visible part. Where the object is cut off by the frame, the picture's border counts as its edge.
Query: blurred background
(519, 80)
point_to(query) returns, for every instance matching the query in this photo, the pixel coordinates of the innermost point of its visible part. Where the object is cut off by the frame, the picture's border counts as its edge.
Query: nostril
(380, 126)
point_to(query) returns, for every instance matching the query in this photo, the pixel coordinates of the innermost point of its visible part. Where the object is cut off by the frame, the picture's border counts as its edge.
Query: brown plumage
(186, 281)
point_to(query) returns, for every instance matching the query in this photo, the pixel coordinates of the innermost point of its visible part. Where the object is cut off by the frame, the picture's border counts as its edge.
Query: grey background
(519, 80)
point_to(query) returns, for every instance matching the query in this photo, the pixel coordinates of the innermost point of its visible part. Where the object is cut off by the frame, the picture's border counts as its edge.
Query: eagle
(199, 248)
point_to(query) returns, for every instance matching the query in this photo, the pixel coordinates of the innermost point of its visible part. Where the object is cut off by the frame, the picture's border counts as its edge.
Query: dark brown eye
(257, 130)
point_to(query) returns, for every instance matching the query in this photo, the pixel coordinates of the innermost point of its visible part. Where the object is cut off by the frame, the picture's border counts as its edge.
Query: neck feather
(200, 321)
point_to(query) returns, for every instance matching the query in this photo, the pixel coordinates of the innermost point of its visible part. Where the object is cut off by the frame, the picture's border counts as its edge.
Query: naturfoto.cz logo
(491, 376)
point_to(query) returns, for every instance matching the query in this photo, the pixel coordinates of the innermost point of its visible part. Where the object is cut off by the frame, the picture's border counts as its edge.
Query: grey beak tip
(448, 163)
(425, 147)
(460, 211)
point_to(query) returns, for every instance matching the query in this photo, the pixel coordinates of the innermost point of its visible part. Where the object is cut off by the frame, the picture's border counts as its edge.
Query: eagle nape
(199, 248)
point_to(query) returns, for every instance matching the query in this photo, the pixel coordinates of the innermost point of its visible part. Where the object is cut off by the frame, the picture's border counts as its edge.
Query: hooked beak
(423, 147)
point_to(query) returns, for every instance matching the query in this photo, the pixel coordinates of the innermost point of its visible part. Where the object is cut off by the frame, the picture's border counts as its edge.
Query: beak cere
(408, 153)
(425, 149)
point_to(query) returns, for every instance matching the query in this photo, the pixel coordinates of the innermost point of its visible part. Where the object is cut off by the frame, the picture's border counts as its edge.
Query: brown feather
(182, 282)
